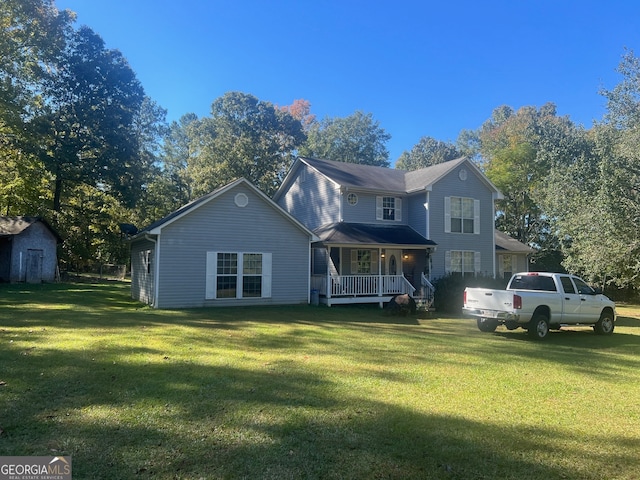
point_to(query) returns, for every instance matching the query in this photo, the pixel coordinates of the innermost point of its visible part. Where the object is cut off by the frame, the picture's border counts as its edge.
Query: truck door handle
(583, 299)
(567, 298)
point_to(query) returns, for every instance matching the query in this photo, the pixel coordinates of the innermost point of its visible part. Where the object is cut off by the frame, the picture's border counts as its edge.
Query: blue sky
(420, 67)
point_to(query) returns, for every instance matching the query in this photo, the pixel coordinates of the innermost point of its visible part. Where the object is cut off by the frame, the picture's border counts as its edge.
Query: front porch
(380, 289)
(365, 263)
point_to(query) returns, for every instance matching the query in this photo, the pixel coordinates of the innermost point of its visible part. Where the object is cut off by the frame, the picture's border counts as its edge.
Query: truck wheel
(605, 325)
(487, 325)
(539, 326)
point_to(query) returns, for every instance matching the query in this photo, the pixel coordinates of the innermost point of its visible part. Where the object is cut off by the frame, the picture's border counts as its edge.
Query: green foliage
(357, 138)
(449, 290)
(428, 151)
(244, 137)
(593, 202)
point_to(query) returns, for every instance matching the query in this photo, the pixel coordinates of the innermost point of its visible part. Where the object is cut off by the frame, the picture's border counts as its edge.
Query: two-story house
(386, 231)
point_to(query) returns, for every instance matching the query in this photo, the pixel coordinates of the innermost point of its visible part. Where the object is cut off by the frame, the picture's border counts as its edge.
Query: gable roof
(382, 179)
(156, 227)
(506, 243)
(10, 226)
(357, 175)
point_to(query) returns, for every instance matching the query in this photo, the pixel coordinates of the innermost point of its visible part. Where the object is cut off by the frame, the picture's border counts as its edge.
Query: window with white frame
(238, 275)
(364, 262)
(462, 215)
(506, 266)
(389, 208)
(462, 262)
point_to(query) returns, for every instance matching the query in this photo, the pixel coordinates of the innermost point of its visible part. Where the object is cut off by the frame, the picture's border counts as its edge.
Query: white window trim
(447, 216)
(212, 274)
(373, 264)
(397, 215)
(503, 258)
(477, 264)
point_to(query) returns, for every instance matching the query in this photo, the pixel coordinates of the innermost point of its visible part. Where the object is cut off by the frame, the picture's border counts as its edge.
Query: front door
(393, 262)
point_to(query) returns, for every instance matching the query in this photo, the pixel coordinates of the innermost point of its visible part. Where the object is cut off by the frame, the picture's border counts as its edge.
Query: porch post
(328, 279)
(380, 290)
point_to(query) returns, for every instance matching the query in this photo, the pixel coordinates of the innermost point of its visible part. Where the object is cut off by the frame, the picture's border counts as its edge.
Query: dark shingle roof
(10, 226)
(506, 243)
(368, 234)
(381, 178)
(360, 176)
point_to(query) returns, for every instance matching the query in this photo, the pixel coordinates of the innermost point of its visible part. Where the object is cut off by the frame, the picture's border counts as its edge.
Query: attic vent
(241, 200)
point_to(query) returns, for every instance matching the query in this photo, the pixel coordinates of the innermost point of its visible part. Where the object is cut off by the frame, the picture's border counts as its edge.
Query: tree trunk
(57, 193)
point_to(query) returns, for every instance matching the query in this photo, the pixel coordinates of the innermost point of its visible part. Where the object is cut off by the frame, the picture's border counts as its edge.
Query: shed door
(34, 266)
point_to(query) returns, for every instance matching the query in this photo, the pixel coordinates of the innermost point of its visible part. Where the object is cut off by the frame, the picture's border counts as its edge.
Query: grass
(309, 392)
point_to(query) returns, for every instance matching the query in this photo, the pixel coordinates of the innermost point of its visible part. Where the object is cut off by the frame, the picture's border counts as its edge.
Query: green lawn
(309, 392)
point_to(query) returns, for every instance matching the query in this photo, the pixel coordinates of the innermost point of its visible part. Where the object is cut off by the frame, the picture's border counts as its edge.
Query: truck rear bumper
(496, 314)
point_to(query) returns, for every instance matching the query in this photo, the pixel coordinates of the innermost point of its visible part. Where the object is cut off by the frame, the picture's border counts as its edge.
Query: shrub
(448, 295)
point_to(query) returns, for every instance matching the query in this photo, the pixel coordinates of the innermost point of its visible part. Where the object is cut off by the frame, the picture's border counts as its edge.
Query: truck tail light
(464, 298)
(517, 301)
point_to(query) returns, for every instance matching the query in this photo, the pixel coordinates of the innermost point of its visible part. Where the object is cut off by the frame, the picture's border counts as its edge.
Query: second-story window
(462, 215)
(388, 208)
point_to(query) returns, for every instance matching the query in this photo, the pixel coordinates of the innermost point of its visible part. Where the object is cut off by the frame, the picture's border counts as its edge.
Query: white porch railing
(428, 290)
(361, 285)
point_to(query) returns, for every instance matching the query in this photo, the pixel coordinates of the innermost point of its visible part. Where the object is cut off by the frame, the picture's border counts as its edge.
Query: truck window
(567, 285)
(533, 282)
(583, 288)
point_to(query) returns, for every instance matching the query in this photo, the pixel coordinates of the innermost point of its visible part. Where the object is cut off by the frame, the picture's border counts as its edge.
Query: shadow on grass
(187, 420)
(627, 322)
(136, 412)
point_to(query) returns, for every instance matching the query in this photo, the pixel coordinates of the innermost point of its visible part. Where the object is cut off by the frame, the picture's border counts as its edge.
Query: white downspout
(156, 264)
(493, 232)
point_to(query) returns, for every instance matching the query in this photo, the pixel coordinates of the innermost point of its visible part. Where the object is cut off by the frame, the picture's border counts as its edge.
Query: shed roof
(11, 226)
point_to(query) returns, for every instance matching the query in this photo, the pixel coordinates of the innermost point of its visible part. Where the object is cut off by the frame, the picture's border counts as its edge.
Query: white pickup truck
(538, 302)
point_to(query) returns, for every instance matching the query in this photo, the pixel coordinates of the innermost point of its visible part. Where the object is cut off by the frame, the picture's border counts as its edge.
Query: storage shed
(28, 250)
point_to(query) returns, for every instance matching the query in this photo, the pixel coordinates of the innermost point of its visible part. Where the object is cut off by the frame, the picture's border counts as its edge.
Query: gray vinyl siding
(141, 279)
(364, 211)
(312, 199)
(472, 187)
(417, 213)
(221, 226)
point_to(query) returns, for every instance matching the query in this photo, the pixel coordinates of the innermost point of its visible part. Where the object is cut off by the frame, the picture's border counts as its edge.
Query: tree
(84, 131)
(428, 151)
(519, 149)
(78, 136)
(32, 32)
(244, 137)
(300, 109)
(357, 138)
(595, 202)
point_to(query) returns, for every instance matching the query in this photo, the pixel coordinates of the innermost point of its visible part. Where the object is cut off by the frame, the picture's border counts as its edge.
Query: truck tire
(487, 325)
(605, 325)
(539, 326)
